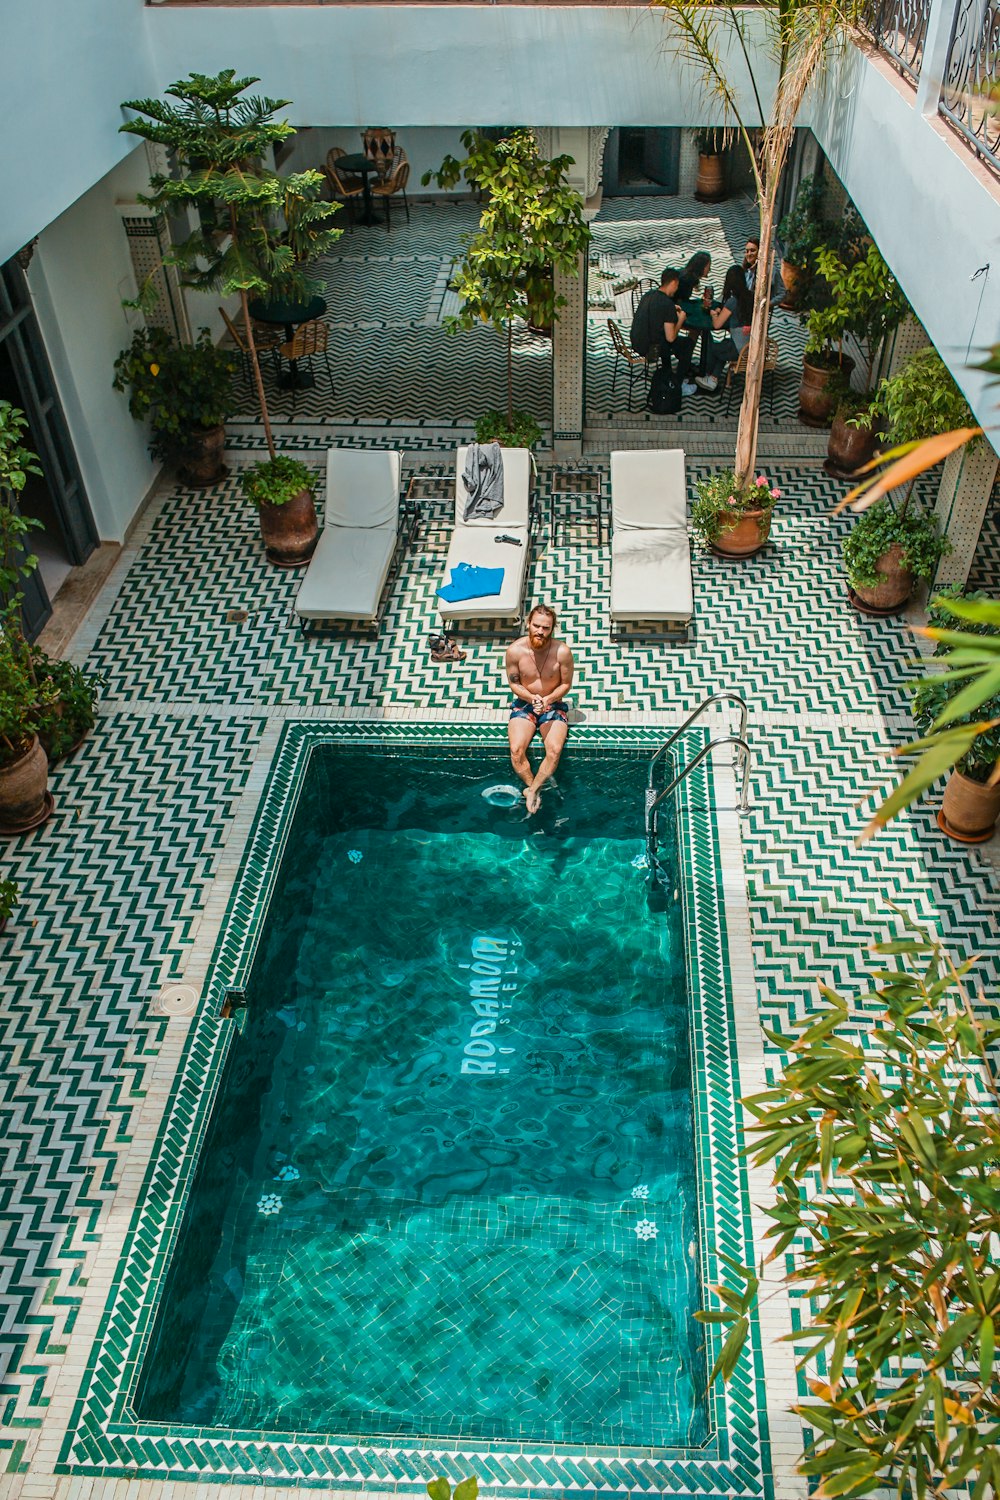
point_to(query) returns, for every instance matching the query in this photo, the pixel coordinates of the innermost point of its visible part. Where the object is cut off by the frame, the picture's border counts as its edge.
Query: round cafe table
(362, 166)
(284, 314)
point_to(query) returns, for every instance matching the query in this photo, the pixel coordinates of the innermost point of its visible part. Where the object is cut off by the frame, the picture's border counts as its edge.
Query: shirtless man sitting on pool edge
(540, 673)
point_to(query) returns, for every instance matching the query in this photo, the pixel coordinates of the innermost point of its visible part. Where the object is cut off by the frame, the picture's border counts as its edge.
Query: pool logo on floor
(492, 985)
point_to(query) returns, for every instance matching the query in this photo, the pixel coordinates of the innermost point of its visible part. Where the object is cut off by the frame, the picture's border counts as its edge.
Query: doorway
(640, 160)
(57, 498)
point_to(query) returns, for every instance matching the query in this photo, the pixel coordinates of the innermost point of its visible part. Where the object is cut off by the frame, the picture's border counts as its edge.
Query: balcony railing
(972, 75)
(899, 28)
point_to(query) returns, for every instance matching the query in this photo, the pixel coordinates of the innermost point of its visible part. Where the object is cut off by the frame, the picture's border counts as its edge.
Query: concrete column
(935, 55)
(908, 338)
(963, 497)
(569, 334)
(687, 165)
(569, 348)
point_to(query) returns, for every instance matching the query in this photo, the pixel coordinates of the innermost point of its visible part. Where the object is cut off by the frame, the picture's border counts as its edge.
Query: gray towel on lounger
(483, 480)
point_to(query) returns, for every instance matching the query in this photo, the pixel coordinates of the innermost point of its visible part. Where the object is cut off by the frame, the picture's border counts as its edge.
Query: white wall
(426, 148)
(66, 67)
(78, 276)
(934, 217)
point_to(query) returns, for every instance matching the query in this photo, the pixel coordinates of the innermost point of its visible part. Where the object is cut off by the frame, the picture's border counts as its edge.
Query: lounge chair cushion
(648, 489)
(347, 573)
(651, 574)
(516, 490)
(472, 544)
(362, 487)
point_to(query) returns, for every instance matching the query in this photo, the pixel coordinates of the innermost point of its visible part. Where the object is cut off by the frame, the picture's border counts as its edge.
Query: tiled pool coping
(103, 1436)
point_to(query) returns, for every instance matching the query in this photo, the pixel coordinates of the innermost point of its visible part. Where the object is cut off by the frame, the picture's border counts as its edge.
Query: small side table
(361, 166)
(576, 484)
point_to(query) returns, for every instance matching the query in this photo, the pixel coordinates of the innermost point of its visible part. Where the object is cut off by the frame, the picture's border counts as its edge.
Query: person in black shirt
(656, 327)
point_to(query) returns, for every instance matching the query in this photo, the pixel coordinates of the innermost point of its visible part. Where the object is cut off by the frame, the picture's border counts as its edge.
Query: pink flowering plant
(721, 503)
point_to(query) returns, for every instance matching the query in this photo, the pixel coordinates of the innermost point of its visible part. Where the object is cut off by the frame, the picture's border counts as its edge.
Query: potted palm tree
(971, 802)
(711, 184)
(281, 489)
(186, 392)
(531, 224)
(734, 520)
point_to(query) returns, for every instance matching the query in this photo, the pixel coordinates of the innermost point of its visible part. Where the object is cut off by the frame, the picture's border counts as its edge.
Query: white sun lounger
(650, 550)
(474, 542)
(361, 546)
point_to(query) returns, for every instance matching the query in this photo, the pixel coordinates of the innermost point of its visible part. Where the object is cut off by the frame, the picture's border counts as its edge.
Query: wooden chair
(379, 145)
(308, 340)
(739, 367)
(394, 183)
(266, 340)
(343, 188)
(634, 361)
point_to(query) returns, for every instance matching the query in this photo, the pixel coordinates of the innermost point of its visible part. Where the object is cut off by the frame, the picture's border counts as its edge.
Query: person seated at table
(717, 355)
(693, 274)
(657, 328)
(741, 281)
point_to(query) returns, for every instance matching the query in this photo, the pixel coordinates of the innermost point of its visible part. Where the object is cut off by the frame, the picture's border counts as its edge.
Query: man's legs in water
(553, 737)
(521, 732)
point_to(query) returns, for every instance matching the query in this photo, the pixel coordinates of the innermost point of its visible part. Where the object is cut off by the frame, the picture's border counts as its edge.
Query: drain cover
(236, 616)
(175, 1000)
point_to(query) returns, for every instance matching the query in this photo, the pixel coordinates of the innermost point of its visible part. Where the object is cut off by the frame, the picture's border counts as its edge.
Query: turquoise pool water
(448, 1188)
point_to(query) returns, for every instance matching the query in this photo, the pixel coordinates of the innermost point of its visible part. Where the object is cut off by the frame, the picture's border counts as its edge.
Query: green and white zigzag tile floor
(115, 887)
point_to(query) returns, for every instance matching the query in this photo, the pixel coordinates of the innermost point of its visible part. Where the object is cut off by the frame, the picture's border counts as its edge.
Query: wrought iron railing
(899, 28)
(972, 76)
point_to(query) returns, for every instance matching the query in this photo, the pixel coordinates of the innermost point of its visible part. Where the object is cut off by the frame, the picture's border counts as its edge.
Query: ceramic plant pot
(792, 279)
(711, 184)
(970, 809)
(202, 464)
(817, 403)
(290, 532)
(849, 447)
(895, 585)
(25, 801)
(742, 535)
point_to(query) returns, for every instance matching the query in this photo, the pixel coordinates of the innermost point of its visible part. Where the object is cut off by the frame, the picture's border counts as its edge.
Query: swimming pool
(449, 1188)
(132, 1416)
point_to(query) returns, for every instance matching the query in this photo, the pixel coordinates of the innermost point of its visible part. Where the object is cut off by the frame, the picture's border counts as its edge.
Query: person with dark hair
(741, 282)
(540, 672)
(693, 273)
(657, 328)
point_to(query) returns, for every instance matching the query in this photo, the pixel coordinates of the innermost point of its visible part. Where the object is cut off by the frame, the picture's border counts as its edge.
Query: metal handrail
(653, 799)
(715, 698)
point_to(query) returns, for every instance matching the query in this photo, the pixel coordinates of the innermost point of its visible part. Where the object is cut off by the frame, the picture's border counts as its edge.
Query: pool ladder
(654, 798)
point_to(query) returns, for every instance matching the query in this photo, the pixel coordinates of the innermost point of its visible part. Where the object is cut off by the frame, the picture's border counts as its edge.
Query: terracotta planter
(202, 464)
(743, 535)
(711, 184)
(793, 280)
(817, 403)
(290, 532)
(849, 447)
(889, 595)
(970, 809)
(25, 801)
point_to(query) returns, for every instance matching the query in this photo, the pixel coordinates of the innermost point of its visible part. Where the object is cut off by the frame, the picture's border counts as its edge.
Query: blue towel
(470, 582)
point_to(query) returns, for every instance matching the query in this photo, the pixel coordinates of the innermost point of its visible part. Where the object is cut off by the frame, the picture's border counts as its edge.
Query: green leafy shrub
(67, 708)
(275, 481)
(866, 301)
(922, 400)
(21, 702)
(10, 895)
(16, 461)
(803, 229)
(935, 694)
(721, 503)
(880, 528)
(181, 388)
(885, 1170)
(521, 431)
